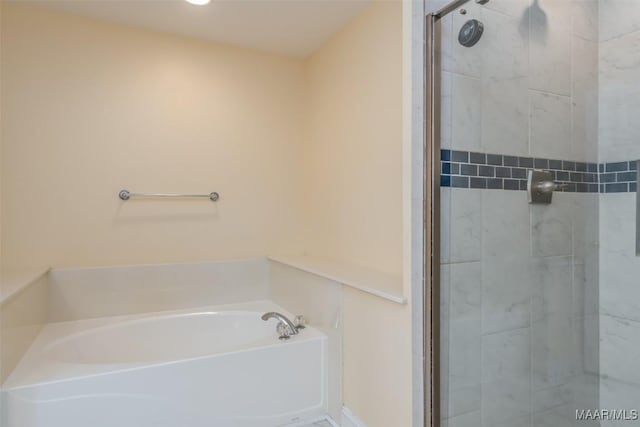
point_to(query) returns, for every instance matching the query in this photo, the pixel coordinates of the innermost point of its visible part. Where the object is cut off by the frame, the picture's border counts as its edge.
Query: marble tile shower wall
(619, 137)
(519, 306)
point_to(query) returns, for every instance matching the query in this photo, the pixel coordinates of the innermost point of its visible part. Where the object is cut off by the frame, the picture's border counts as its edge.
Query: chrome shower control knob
(544, 186)
(549, 187)
(540, 186)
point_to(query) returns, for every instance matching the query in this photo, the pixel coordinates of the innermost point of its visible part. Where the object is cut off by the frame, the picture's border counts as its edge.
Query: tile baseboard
(350, 420)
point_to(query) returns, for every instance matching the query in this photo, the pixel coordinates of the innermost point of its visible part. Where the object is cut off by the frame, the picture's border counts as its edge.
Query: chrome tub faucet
(285, 327)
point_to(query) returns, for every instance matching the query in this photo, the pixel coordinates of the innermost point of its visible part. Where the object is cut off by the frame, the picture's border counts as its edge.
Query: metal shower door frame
(431, 172)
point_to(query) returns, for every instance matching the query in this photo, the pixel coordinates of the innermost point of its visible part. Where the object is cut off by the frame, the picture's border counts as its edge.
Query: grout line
(548, 92)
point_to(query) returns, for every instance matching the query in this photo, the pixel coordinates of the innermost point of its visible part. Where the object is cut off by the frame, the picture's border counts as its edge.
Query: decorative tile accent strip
(465, 169)
(618, 177)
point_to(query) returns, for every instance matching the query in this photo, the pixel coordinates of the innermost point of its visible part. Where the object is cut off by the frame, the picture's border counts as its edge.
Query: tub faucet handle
(283, 331)
(300, 322)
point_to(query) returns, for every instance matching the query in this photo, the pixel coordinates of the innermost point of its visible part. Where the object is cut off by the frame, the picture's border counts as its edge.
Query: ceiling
(289, 27)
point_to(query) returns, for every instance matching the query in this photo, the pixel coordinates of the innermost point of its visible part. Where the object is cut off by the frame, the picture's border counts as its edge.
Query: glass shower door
(619, 148)
(519, 325)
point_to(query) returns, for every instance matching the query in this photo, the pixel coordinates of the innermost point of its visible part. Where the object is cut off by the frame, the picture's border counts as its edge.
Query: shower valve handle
(549, 187)
(540, 186)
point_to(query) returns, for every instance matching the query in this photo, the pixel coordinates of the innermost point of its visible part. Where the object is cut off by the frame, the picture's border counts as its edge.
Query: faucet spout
(284, 321)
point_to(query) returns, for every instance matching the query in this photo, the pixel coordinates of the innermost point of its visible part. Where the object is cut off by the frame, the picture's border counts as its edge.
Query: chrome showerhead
(470, 33)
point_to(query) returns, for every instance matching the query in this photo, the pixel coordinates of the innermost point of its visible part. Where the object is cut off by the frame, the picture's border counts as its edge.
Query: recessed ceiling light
(198, 2)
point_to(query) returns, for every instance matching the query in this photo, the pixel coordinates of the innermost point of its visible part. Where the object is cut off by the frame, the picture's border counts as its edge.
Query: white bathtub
(215, 367)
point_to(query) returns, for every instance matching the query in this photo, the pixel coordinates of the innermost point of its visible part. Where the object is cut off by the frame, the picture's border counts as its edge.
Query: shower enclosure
(535, 308)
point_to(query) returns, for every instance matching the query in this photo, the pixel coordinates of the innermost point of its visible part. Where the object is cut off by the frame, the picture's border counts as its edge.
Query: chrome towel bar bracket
(126, 195)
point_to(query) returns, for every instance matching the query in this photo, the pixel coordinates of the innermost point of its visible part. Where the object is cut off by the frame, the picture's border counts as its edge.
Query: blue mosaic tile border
(618, 177)
(465, 169)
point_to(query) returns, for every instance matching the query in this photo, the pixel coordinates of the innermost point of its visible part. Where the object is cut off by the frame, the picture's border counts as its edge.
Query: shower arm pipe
(445, 10)
(126, 195)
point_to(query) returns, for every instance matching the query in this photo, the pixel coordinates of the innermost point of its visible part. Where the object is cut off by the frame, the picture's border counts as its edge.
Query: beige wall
(353, 165)
(353, 178)
(377, 360)
(92, 107)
